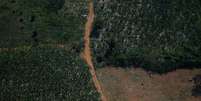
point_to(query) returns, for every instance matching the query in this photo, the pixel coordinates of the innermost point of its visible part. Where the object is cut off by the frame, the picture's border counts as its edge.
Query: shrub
(197, 87)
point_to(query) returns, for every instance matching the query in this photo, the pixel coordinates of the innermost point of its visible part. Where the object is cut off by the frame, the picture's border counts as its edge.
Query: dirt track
(87, 51)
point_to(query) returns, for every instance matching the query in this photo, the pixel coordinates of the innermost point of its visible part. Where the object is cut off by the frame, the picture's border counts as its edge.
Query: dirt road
(87, 51)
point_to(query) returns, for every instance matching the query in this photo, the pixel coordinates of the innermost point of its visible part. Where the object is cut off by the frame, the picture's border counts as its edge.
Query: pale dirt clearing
(137, 85)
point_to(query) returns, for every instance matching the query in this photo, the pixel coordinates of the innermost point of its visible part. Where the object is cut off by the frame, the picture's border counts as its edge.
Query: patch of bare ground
(137, 85)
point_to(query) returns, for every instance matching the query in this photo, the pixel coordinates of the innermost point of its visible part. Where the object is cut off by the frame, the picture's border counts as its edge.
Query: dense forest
(158, 35)
(25, 22)
(44, 73)
(40, 45)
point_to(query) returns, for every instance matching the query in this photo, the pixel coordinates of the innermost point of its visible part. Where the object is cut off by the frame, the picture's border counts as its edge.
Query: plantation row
(158, 35)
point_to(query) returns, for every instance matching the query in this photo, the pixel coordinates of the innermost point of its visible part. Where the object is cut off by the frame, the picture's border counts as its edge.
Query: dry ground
(137, 85)
(87, 50)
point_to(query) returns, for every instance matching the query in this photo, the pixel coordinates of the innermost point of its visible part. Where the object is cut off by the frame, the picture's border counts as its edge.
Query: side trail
(87, 51)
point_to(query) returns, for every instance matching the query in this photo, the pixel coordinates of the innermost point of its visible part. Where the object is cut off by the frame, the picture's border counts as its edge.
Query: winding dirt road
(87, 51)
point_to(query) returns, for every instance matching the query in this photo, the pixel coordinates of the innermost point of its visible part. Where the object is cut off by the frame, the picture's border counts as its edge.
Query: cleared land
(137, 85)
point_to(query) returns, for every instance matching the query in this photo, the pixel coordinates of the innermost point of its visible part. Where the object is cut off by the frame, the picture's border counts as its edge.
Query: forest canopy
(158, 35)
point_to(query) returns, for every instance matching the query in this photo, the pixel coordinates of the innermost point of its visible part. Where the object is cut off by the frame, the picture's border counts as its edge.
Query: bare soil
(87, 50)
(137, 85)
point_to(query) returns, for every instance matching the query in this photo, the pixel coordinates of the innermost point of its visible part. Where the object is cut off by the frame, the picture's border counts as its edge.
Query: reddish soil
(137, 85)
(87, 51)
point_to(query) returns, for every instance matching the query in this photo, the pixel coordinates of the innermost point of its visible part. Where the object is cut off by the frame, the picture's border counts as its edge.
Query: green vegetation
(25, 22)
(40, 45)
(44, 73)
(158, 35)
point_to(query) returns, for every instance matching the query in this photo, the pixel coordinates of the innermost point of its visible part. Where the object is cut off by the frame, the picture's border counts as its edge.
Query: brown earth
(87, 51)
(137, 85)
